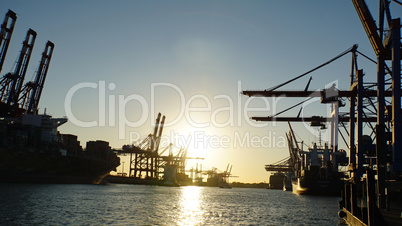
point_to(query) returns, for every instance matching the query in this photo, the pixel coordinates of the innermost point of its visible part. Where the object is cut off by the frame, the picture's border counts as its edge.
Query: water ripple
(152, 205)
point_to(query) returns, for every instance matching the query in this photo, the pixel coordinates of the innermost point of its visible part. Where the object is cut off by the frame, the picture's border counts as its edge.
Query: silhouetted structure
(146, 162)
(373, 106)
(31, 148)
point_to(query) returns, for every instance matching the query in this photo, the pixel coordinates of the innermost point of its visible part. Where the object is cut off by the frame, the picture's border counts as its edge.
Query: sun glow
(197, 145)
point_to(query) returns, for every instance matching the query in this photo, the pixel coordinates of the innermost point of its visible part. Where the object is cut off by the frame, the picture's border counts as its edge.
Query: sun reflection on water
(191, 212)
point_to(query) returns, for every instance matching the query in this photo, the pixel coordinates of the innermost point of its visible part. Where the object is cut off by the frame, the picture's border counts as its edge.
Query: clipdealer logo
(199, 139)
(112, 111)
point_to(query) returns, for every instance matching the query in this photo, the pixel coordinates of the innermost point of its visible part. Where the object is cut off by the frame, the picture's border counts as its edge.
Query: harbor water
(155, 205)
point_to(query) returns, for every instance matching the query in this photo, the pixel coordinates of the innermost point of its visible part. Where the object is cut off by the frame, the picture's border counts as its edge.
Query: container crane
(21, 68)
(11, 83)
(6, 32)
(369, 25)
(31, 93)
(387, 149)
(146, 155)
(387, 46)
(227, 173)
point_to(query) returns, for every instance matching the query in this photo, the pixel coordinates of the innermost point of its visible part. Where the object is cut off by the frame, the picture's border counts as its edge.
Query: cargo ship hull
(33, 167)
(316, 187)
(277, 181)
(47, 178)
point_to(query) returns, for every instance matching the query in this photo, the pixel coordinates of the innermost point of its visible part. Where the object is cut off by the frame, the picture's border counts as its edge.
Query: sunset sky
(189, 60)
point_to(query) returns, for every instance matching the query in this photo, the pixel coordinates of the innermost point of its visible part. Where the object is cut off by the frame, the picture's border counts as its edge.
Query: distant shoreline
(249, 185)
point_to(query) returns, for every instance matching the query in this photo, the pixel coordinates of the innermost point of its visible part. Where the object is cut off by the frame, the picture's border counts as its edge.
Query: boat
(224, 185)
(32, 150)
(277, 181)
(31, 147)
(220, 180)
(315, 171)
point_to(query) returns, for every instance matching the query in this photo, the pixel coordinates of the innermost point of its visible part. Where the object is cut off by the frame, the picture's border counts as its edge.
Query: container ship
(31, 148)
(277, 181)
(316, 171)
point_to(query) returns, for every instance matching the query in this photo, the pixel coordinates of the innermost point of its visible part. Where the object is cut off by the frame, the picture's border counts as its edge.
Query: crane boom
(40, 78)
(21, 68)
(369, 25)
(316, 119)
(160, 133)
(6, 32)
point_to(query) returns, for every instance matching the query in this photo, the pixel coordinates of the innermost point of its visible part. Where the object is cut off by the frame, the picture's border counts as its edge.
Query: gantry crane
(331, 95)
(146, 162)
(196, 174)
(368, 104)
(144, 156)
(32, 91)
(217, 177)
(226, 174)
(6, 32)
(387, 46)
(11, 83)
